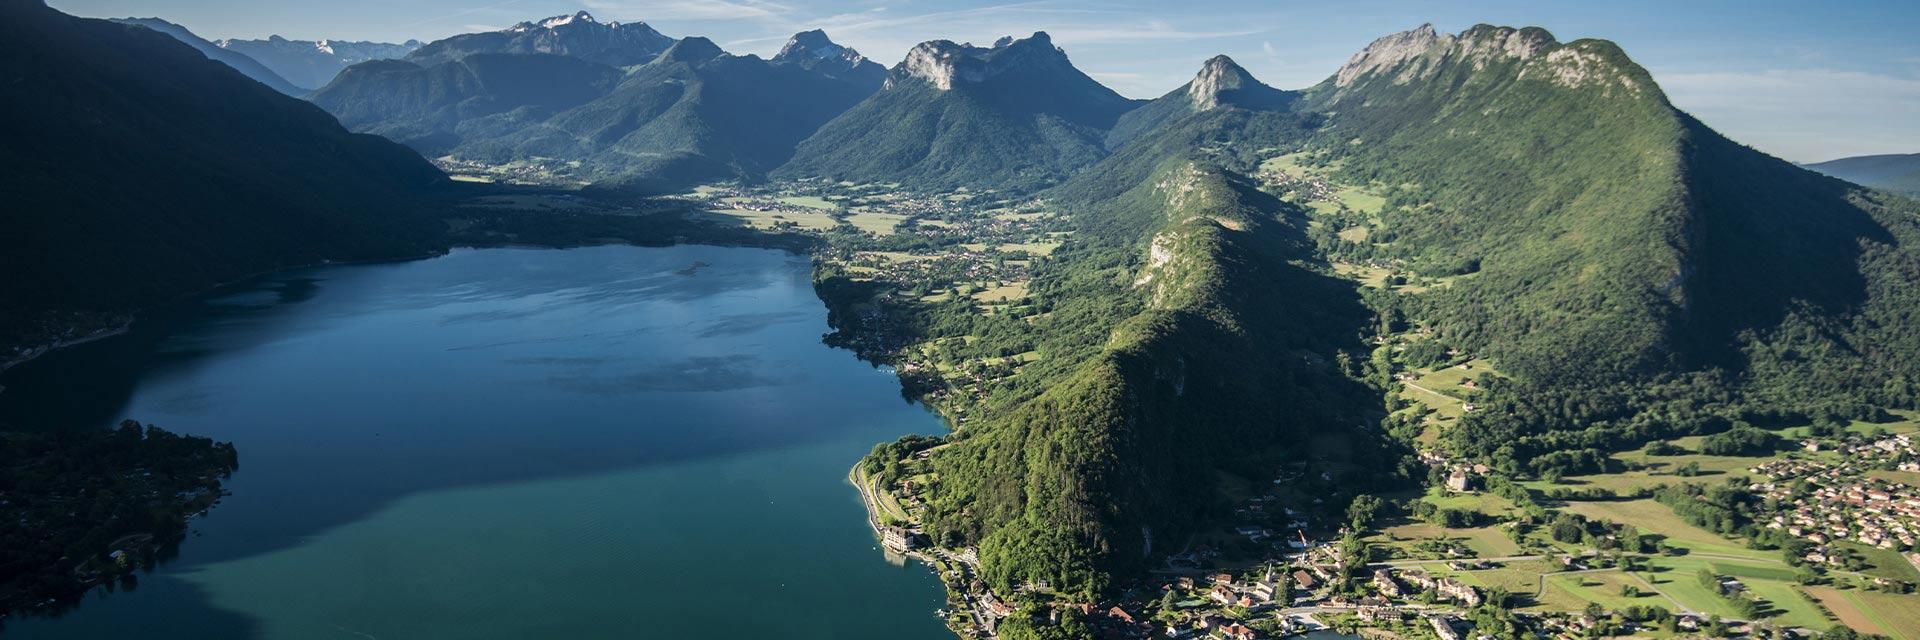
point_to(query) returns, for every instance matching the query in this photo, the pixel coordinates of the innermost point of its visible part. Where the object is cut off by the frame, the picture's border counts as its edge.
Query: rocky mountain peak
(815, 45)
(692, 49)
(1220, 75)
(945, 64)
(1389, 52)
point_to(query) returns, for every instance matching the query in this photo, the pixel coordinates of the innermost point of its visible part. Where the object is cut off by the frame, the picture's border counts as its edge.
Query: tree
(1362, 512)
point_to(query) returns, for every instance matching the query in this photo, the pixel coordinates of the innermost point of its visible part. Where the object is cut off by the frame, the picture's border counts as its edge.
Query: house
(1460, 591)
(1459, 480)
(899, 539)
(1383, 581)
(1305, 580)
(1443, 628)
(1223, 595)
(1235, 631)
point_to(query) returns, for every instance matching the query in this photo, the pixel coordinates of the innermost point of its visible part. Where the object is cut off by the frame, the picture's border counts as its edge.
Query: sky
(1805, 80)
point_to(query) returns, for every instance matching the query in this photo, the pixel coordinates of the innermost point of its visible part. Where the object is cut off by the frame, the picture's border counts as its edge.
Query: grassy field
(879, 224)
(1908, 478)
(769, 219)
(1361, 201)
(1653, 517)
(814, 202)
(1659, 470)
(1604, 587)
(995, 292)
(1887, 563)
(1368, 276)
(1442, 390)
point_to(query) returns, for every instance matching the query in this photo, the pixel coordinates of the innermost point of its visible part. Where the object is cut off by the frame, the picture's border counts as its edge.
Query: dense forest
(80, 507)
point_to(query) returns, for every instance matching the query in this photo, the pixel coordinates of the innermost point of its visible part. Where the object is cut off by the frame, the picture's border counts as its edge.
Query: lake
(506, 443)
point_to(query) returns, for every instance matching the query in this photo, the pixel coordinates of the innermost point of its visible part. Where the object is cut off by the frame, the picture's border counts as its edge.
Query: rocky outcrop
(944, 64)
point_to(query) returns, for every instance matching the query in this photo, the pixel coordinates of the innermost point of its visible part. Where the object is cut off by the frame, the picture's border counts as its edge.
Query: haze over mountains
(312, 64)
(239, 61)
(633, 108)
(1635, 274)
(1894, 172)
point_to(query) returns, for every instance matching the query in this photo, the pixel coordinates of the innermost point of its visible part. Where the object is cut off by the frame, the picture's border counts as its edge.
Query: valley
(1481, 336)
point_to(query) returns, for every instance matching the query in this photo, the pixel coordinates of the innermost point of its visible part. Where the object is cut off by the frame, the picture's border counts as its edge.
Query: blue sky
(1806, 80)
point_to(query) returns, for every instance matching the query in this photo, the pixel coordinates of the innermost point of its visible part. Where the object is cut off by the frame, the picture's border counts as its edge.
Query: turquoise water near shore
(506, 443)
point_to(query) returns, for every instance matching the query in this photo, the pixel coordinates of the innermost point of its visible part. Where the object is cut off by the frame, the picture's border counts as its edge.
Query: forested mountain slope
(695, 113)
(1017, 115)
(239, 61)
(1632, 273)
(1623, 261)
(692, 113)
(437, 108)
(136, 169)
(1187, 340)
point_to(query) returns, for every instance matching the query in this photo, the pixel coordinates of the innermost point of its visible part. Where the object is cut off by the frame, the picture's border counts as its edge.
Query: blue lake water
(506, 443)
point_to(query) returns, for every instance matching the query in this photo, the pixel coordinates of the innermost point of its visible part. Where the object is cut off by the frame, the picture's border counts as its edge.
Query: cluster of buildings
(1445, 588)
(1842, 501)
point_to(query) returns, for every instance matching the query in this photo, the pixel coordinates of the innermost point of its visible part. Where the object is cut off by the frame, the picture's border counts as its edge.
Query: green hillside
(436, 108)
(1638, 274)
(239, 61)
(1187, 339)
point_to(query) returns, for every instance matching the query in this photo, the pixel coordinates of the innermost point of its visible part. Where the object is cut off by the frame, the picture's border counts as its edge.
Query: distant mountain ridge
(1898, 172)
(241, 62)
(1220, 82)
(577, 35)
(312, 64)
(812, 50)
(691, 112)
(1017, 115)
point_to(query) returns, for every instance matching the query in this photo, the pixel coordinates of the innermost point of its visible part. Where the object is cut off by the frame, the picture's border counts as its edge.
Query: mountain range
(1016, 115)
(633, 108)
(1899, 172)
(312, 64)
(575, 36)
(241, 62)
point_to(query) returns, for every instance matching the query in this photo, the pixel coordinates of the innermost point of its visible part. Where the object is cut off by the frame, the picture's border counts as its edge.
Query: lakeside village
(1303, 584)
(95, 507)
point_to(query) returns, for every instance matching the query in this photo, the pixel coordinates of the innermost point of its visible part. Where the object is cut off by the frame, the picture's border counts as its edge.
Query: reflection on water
(506, 443)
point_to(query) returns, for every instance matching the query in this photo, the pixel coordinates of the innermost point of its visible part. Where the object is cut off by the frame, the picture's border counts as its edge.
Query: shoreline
(133, 315)
(44, 349)
(981, 619)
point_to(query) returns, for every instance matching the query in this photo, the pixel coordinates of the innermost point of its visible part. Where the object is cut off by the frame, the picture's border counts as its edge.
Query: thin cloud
(690, 9)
